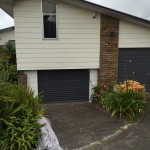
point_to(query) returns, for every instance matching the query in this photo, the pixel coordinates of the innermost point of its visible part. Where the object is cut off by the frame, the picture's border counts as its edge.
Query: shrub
(19, 115)
(8, 68)
(122, 102)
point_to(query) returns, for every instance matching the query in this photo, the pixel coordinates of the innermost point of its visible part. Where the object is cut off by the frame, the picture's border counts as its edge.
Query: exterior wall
(78, 40)
(32, 80)
(133, 36)
(6, 36)
(109, 50)
(93, 80)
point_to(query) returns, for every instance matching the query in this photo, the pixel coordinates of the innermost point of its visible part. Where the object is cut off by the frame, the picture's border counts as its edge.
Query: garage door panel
(132, 51)
(134, 64)
(64, 85)
(135, 76)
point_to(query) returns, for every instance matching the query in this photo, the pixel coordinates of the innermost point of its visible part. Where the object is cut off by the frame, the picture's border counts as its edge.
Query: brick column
(109, 50)
(22, 79)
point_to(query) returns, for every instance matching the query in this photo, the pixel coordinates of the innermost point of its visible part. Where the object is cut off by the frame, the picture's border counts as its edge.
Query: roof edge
(108, 11)
(7, 29)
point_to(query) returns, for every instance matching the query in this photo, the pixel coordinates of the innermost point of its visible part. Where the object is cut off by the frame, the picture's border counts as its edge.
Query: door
(64, 85)
(134, 64)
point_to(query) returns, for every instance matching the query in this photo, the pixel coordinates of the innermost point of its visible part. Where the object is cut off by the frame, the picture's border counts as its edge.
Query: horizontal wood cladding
(53, 66)
(133, 35)
(63, 25)
(59, 55)
(76, 47)
(55, 60)
(54, 51)
(61, 36)
(52, 46)
(63, 41)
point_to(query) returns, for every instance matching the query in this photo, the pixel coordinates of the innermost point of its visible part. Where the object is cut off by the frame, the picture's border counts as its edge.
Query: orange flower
(130, 85)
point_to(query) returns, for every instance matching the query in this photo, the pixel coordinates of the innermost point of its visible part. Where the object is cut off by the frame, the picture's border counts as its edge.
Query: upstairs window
(49, 19)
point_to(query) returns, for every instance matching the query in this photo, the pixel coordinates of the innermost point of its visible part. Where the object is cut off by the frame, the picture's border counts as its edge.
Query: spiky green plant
(8, 68)
(20, 111)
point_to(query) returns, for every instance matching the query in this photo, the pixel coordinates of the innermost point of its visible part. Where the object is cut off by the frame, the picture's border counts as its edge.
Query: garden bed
(125, 100)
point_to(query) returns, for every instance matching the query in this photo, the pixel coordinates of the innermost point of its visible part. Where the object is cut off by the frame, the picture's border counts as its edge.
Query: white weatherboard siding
(133, 35)
(93, 80)
(6, 36)
(32, 81)
(77, 46)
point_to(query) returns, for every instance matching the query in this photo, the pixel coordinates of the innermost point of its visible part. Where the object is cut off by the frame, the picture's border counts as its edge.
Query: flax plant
(20, 111)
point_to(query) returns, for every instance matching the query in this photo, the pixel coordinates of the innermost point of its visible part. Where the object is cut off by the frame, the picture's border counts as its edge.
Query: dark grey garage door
(134, 64)
(64, 85)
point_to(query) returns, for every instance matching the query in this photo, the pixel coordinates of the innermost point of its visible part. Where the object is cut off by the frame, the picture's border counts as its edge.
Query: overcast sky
(139, 8)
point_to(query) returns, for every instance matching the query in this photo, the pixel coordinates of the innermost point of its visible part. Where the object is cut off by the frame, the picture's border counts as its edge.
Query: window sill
(50, 38)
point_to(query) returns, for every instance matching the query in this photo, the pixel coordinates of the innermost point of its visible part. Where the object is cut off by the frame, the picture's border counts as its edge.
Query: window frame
(52, 14)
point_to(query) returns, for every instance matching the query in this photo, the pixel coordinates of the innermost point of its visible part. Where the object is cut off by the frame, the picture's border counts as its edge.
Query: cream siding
(32, 81)
(77, 46)
(6, 36)
(133, 35)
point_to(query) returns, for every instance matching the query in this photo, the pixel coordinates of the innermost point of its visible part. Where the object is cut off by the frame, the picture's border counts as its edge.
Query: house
(67, 46)
(6, 35)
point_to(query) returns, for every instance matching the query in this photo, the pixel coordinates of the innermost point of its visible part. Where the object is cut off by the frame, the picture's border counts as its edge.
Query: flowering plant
(134, 86)
(99, 90)
(125, 100)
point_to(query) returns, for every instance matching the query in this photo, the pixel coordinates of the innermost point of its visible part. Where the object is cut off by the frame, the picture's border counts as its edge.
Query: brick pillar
(22, 79)
(109, 50)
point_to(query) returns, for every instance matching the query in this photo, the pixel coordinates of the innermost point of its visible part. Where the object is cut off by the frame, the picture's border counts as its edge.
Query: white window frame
(56, 14)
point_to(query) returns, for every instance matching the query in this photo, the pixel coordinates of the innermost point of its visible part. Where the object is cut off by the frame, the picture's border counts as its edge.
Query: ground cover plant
(125, 100)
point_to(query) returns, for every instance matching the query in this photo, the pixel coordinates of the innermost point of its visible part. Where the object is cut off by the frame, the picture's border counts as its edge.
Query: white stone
(48, 139)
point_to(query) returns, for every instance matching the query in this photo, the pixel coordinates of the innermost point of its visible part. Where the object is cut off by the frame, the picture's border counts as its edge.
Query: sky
(5, 20)
(139, 8)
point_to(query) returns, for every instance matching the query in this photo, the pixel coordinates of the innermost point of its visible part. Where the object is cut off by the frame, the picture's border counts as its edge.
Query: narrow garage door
(64, 85)
(134, 63)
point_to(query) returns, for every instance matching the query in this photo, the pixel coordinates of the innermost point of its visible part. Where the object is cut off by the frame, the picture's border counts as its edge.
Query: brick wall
(109, 50)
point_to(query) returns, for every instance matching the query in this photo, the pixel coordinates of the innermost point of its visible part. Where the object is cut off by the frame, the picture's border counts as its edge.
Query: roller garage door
(64, 85)
(134, 63)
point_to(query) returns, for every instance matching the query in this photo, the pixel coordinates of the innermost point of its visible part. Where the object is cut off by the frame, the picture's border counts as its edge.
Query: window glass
(49, 19)
(48, 7)
(49, 26)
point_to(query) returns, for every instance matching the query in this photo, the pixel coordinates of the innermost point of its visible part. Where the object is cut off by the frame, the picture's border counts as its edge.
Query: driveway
(83, 126)
(79, 124)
